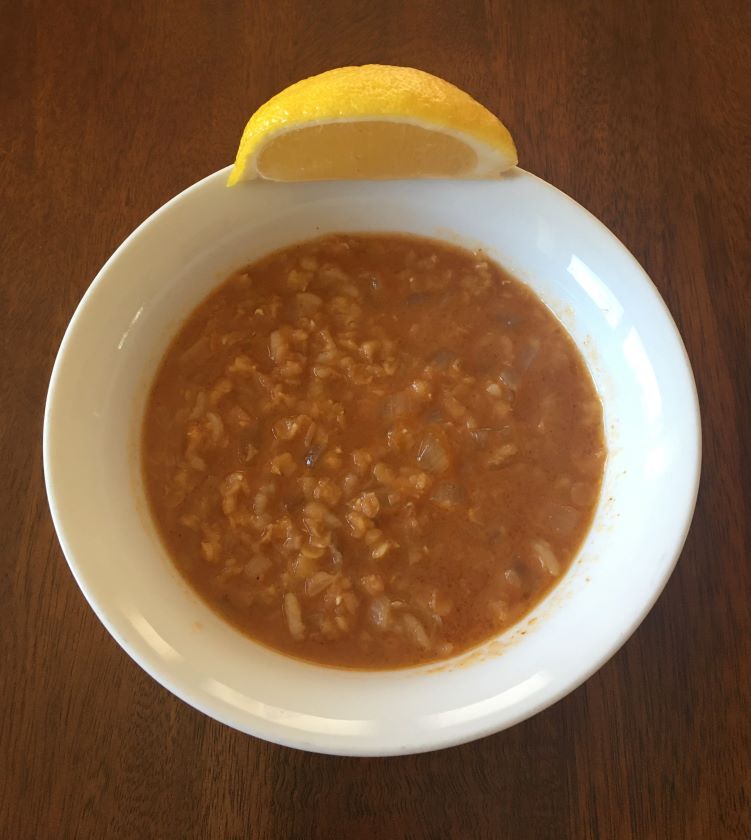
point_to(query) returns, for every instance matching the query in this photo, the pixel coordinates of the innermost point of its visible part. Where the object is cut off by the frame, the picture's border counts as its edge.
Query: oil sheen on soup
(372, 451)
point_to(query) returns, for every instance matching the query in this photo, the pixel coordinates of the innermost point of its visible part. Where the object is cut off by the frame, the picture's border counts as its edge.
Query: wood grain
(640, 111)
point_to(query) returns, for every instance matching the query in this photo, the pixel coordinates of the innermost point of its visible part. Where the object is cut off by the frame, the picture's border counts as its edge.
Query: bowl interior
(92, 431)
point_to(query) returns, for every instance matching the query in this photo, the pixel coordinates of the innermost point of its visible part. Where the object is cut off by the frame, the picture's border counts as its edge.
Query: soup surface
(372, 450)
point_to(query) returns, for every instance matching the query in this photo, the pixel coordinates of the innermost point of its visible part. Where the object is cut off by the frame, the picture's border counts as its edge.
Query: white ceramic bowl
(91, 439)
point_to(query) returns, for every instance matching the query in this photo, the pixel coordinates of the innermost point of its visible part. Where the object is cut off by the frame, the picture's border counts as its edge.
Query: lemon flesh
(374, 121)
(364, 149)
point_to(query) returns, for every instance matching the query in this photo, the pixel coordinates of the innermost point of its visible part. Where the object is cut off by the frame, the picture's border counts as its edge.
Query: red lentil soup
(372, 451)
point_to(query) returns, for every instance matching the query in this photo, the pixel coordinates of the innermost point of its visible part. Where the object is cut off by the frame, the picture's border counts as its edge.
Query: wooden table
(640, 111)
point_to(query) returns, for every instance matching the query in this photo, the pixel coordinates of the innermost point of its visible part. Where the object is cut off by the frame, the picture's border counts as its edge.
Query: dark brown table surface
(638, 110)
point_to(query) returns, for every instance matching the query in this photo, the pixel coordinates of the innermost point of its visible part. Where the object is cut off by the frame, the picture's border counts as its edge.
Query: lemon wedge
(375, 122)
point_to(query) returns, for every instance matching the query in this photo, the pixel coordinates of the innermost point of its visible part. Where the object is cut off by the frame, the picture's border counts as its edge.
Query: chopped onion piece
(294, 617)
(314, 454)
(379, 612)
(447, 495)
(432, 455)
(316, 583)
(546, 558)
(397, 405)
(415, 632)
(562, 519)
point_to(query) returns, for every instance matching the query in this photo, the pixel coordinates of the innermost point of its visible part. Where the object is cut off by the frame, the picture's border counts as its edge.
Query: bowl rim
(320, 742)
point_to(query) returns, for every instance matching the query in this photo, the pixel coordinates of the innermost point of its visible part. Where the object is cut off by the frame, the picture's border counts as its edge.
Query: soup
(372, 451)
